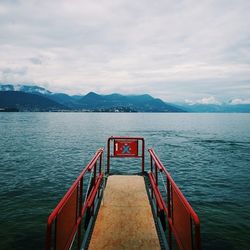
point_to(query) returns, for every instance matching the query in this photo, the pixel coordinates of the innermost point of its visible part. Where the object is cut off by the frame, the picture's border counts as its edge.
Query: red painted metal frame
(113, 138)
(169, 208)
(80, 206)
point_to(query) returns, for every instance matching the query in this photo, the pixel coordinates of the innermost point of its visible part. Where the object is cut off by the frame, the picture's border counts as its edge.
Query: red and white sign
(125, 147)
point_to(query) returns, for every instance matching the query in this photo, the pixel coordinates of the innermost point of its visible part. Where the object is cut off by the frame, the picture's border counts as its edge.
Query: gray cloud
(12, 74)
(175, 50)
(36, 60)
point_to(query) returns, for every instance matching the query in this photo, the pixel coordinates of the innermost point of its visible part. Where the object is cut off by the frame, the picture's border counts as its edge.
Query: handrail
(158, 197)
(174, 198)
(156, 159)
(71, 209)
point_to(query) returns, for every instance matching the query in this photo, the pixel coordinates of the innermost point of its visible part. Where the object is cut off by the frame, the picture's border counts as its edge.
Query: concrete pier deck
(125, 219)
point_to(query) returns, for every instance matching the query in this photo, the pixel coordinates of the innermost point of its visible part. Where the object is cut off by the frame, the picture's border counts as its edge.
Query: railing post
(169, 215)
(80, 191)
(94, 174)
(156, 174)
(48, 237)
(197, 237)
(100, 165)
(151, 163)
(143, 155)
(100, 171)
(108, 156)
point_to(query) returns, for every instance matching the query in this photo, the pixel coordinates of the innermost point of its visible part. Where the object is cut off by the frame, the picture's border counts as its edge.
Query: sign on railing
(125, 147)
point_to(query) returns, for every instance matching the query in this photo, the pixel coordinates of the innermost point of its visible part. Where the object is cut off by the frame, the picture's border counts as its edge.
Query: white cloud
(240, 101)
(205, 100)
(171, 49)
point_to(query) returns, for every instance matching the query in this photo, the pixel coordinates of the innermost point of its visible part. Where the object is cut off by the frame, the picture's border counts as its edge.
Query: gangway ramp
(123, 213)
(125, 219)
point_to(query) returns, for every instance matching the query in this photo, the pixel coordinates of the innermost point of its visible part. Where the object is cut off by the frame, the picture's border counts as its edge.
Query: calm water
(208, 155)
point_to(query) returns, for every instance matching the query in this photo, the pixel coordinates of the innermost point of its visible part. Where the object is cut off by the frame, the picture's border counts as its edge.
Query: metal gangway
(106, 210)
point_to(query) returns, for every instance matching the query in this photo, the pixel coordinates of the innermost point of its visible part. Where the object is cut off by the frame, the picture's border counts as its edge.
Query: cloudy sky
(198, 51)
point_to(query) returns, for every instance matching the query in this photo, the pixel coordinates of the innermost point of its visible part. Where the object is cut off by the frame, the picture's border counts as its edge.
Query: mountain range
(21, 101)
(36, 98)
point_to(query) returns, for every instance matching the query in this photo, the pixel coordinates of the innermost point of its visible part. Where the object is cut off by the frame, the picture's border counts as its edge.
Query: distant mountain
(138, 103)
(217, 108)
(65, 100)
(95, 102)
(102, 103)
(60, 98)
(27, 102)
(76, 97)
(118, 103)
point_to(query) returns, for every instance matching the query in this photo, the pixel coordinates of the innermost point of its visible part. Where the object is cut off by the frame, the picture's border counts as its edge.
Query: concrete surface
(125, 220)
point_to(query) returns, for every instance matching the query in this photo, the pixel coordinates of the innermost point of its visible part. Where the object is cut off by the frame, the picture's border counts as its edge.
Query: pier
(125, 219)
(107, 210)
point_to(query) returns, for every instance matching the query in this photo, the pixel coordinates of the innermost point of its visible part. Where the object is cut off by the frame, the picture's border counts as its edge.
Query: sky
(182, 50)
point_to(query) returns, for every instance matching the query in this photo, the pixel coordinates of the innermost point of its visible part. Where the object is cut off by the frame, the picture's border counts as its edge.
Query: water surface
(208, 156)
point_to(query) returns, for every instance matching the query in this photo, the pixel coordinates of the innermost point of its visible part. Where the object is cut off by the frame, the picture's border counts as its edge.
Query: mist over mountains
(36, 98)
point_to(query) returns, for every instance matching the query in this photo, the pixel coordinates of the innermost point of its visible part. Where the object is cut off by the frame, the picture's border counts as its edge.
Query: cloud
(171, 49)
(36, 60)
(11, 74)
(240, 101)
(205, 100)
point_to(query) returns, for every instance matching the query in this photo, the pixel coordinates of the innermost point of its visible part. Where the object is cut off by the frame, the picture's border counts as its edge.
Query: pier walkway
(125, 219)
(103, 210)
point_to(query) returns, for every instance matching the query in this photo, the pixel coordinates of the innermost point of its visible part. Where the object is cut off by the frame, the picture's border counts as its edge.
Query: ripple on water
(207, 155)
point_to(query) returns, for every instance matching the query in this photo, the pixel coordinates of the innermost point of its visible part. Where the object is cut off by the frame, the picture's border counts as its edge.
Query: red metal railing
(64, 223)
(136, 154)
(180, 215)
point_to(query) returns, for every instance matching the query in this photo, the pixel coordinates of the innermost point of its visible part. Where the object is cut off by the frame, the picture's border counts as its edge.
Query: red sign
(125, 147)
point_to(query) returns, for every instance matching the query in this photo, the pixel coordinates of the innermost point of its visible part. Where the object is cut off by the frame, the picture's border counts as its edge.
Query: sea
(207, 154)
